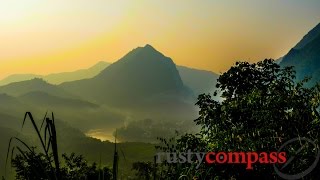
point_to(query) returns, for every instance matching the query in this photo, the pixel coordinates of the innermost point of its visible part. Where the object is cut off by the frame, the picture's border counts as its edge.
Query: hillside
(306, 60)
(58, 78)
(36, 84)
(142, 77)
(310, 36)
(199, 81)
(38, 98)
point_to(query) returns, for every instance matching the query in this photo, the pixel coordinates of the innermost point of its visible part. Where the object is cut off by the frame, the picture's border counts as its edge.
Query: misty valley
(141, 97)
(141, 100)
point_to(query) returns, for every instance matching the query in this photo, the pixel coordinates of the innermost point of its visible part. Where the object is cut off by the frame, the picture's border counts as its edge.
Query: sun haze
(42, 37)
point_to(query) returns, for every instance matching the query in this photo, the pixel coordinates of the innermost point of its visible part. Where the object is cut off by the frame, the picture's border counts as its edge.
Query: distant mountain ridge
(199, 81)
(58, 78)
(18, 78)
(36, 84)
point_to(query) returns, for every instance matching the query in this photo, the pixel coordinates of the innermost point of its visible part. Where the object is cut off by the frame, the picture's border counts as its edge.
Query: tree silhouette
(143, 170)
(262, 107)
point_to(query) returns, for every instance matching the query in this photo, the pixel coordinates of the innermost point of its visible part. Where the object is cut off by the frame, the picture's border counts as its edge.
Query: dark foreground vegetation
(263, 107)
(32, 164)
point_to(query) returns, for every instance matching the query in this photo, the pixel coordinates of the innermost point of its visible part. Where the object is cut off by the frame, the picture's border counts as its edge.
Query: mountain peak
(148, 46)
(100, 63)
(38, 81)
(146, 53)
(149, 49)
(140, 76)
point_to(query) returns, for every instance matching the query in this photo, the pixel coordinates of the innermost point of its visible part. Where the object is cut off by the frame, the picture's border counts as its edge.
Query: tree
(144, 170)
(262, 107)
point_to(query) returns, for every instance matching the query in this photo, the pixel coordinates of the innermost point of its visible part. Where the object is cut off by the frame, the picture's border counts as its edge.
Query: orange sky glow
(42, 37)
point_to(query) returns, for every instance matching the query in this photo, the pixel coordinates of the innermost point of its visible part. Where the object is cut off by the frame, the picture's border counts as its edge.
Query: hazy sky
(41, 37)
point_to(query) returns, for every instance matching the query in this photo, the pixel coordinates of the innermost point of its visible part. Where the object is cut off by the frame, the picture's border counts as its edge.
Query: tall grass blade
(44, 118)
(28, 114)
(54, 145)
